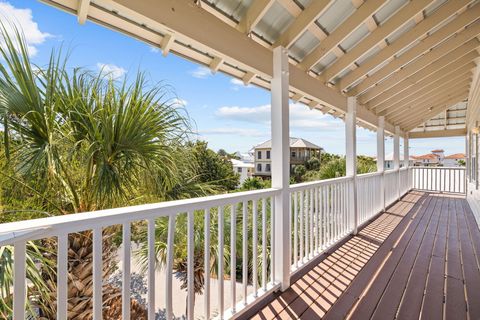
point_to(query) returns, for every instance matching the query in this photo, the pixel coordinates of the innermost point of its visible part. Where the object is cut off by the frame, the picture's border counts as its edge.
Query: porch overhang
(375, 54)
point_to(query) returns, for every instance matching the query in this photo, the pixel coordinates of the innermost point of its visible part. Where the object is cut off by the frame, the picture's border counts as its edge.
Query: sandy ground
(179, 295)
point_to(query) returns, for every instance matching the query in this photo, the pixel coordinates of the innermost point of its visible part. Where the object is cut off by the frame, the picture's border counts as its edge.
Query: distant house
(301, 151)
(243, 168)
(454, 159)
(389, 161)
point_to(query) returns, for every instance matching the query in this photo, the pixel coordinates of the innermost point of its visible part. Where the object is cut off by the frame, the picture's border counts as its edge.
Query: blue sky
(224, 112)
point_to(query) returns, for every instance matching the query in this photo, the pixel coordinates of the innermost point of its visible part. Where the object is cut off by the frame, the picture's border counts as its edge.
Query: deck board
(420, 259)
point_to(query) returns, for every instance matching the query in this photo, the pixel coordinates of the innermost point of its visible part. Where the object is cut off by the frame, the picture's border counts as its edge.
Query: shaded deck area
(419, 259)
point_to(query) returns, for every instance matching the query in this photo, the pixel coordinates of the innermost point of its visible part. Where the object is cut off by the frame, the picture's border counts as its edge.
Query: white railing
(321, 215)
(369, 195)
(391, 183)
(439, 179)
(215, 214)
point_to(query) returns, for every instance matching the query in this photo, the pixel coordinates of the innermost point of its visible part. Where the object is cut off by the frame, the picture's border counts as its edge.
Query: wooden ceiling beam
(426, 87)
(437, 133)
(365, 11)
(302, 23)
(416, 111)
(440, 15)
(430, 73)
(254, 14)
(377, 37)
(459, 45)
(433, 111)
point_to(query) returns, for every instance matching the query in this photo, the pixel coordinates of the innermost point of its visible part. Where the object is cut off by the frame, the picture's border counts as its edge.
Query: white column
(381, 144)
(396, 157)
(351, 154)
(381, 157)
(396, 148)
(281, 165)
(406, 152)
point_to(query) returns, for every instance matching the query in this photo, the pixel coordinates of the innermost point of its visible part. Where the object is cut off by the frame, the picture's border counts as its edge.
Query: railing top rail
(312, 184)
(438, 168)
(52, 226)
(391, 171)
(370, 174)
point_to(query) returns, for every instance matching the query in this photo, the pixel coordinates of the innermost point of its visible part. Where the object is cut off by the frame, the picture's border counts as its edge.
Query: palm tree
(92, 143)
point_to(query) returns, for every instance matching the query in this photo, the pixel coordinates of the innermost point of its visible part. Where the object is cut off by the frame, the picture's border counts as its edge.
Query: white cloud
(179, 101)
(238, 84)
(301, 117)
(23, 20)
(201, 73)
(113, 71)
(244, 132)
(154, 49)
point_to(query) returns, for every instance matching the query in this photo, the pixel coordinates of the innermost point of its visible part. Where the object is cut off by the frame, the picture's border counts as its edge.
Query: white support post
(406, 158)
(381, 156)
(351, 154)
(396, 148)
(281, 165)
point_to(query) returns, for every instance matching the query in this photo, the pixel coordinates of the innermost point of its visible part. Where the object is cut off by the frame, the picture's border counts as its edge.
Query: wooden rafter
(254, 14)
(429, 74)
(377, 37)
(302, 22)
(454, 47)
(443, 13)
(365, 11)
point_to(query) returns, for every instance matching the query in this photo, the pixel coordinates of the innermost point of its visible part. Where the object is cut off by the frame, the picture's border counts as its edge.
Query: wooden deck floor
(420, 259)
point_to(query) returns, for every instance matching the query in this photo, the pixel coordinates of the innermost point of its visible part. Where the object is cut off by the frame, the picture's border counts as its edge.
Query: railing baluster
(19, 280)
(311, 213)
(126, 250)
(62, 276)
(207, 263)
(295, 229)
(245, 250)
(306, 230)
(169, 266)
(255, 247)
(302, 239)
(233, 255)
(221, 241)
(317, 214)
(97, 273)
(264, 244)
(272, 239)
(190, 265)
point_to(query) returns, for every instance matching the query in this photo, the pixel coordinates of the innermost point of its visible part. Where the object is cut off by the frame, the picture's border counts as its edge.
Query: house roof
(438, 150)
(429, 156)
(243, 164)
(456, 156)
(294, 143)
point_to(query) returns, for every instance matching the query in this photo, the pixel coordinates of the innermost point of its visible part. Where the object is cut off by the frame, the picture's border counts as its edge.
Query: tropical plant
(79, 141)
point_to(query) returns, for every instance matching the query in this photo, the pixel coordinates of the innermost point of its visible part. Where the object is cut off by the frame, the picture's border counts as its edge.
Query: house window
(239, 170)
(294, 154)
(259, 167)
(267, 167)
(268, 154)
(259, 154)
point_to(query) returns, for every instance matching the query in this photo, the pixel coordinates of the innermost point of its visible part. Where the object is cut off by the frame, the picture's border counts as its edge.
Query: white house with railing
(391, 66)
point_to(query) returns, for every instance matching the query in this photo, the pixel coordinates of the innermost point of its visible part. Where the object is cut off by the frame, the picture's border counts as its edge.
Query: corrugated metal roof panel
(388, 10)
(274, 23)
(337, 13)
(325, 62)
(355, 37)
(304, 45)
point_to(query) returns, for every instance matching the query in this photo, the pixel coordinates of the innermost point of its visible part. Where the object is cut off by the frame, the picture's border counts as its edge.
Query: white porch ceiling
(405, 60)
